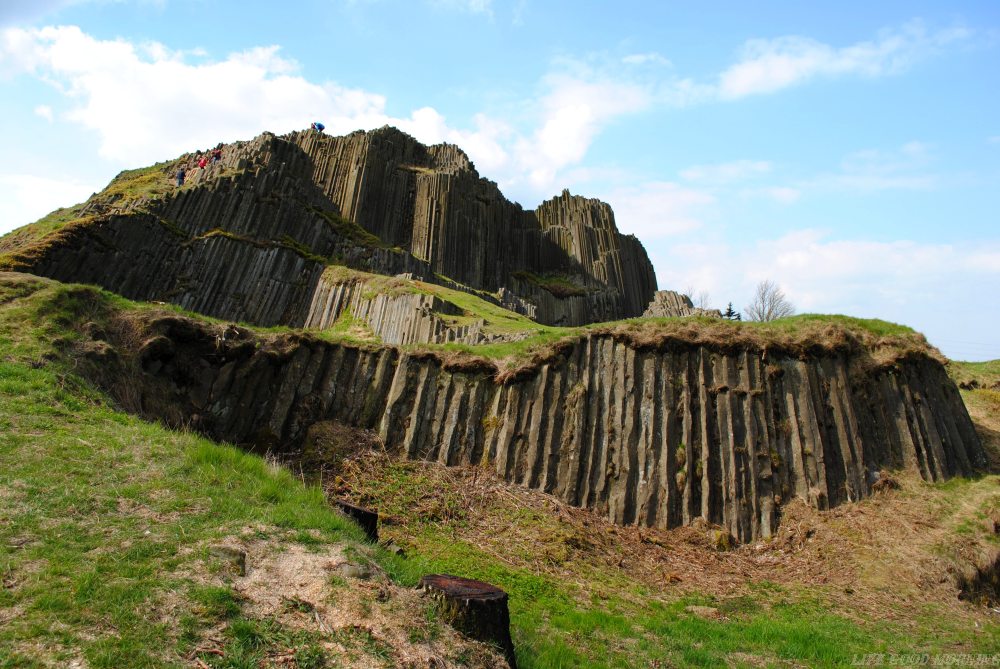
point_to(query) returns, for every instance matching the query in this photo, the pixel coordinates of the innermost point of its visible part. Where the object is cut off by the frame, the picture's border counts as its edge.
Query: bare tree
(698, 298)
(769, 303)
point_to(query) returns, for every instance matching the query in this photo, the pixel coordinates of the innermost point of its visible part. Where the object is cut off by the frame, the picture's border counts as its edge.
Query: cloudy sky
(850, 153)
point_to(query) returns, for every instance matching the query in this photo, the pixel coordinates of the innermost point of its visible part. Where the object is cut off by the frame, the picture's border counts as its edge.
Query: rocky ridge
(645, 431)
(247, 238)
(397, 311)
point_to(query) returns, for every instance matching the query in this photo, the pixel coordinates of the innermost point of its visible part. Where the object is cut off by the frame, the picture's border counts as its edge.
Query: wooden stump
(478, 610)
(366, 518)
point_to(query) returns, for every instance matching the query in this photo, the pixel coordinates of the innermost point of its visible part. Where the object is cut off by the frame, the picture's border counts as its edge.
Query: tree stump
(476, 609)
(366, 518)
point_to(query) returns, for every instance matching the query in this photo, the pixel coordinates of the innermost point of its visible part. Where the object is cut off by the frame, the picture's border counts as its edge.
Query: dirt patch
(341, 593)
(281, 574)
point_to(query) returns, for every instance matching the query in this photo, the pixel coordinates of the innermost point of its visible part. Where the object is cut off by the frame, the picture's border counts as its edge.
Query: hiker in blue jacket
(317, 126)
(180, 177)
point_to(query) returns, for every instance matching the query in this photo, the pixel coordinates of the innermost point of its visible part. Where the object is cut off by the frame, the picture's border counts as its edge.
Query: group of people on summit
(215, 155)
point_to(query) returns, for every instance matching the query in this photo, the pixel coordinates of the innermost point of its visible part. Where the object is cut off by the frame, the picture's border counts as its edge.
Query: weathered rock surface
(671, 304)
(657, 435)
(395, 317)
(248, 241)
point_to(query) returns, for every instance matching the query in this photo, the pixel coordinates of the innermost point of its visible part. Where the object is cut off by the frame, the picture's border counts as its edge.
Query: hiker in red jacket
(203, 162)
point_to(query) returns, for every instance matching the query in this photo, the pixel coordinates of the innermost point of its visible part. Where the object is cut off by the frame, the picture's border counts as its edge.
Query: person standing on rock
(318, 127)
(203, 163)
(216, 155)
(181, 173)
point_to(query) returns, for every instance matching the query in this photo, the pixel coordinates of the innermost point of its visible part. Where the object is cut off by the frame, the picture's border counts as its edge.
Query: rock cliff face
(248, 237)
(648, 427)
(651, 434)
(398, 316)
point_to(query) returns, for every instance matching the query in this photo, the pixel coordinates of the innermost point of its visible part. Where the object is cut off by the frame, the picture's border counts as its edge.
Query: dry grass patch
(980, 387)
(893, 559)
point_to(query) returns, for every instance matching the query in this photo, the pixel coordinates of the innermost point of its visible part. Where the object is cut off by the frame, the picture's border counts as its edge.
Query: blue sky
(850, 151)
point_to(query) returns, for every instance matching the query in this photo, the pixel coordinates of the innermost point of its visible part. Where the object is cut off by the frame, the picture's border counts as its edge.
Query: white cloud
(720, 173)
(27, 197)
(770, 65)
(650, 58)
(724, 180)
(575, 109)
(780, 194)
(685, 92)
(867, 171)
(517, 15)
(470, 6)
(870, 183)
(767, 66)
(658, 209)
(906, 158)
(871, 170)
(45, 112)
(903, 281)
(484, 145)
(147, 103)
(832, 275)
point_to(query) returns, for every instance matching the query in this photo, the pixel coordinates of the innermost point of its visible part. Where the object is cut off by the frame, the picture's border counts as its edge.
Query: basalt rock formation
(247, 237)
(653, 424)
(656, 431)
(671, 304)
(395, 314)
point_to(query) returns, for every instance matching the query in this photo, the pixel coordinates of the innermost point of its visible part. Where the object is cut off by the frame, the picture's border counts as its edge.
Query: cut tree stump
(366, 518)
(478, 610)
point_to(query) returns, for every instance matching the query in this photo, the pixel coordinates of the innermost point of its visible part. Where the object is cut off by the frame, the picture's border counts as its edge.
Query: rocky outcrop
(670, 304)
(249, 236)
(399, 315)
(648, 434)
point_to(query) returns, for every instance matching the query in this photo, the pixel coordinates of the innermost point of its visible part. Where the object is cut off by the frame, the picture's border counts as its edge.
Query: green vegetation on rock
(560, 285)
(349, 229)
(145, 182)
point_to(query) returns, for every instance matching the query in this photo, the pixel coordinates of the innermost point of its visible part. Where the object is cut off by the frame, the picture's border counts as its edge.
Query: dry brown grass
(804, 339)
(980, 388)
(889, 557)
(21, 253)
